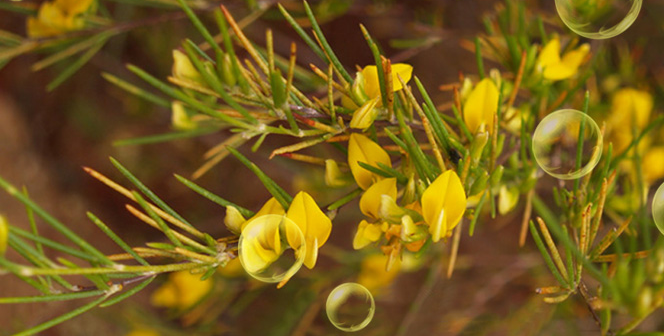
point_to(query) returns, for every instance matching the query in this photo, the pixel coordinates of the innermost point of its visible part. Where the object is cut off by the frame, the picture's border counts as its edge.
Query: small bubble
(271, 248)
(350, 307)
(658, 208)
(598, 19)
(556, 144)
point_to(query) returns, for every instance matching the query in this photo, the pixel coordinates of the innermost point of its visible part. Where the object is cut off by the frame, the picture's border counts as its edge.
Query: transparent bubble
(598, 19)
(350, 307)
(271, 248)
(658, 208)
(556, 144)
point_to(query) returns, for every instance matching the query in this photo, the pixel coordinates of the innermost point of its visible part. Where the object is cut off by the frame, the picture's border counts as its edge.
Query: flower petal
(234, 219)
(362, 149)
(550, 54)
(271, 207)
(372, 85)
(371, 199)
(366, 234)
(364, 116)
(443, 204)
(310, 218)
(481, 105)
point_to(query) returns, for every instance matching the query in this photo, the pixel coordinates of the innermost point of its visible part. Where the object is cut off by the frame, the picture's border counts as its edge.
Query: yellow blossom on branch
(362, 149)
(181, 291)
(368, 85)
(553, 67)
(58, 17)
(443, 204)
(315, 225)
(481, 106)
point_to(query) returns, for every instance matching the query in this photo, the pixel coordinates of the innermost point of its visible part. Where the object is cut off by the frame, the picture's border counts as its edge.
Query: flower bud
(333, 175)
(183, 68)
(507, 199)
(234, 220)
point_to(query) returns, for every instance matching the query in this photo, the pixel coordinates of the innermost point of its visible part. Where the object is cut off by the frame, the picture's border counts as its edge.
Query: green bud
(410, 193)
(278, 88)
(180, 118)
(480, 183)
(497, 176)
(477, 147)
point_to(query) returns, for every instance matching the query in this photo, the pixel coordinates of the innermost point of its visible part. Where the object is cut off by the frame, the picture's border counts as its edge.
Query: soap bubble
(271, 248)
(350, 307)
(658, 208)
(598, 19)
(556, 144)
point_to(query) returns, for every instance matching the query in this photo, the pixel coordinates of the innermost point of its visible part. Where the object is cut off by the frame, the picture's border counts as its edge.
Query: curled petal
(362, 149)
(234, 219)
(443, 204)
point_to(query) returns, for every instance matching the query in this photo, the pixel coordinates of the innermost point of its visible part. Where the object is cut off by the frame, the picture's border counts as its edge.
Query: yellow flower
(366, 234)
(232, 269)
(181, 291)
(362, 149)
(480, 107)
(58, 17)
(315, 225)
(367, 90)
(373, 275)
(370, 202)
(630, 109)
(553, 67)
(372, 85)
(333, 175)
(443, 204)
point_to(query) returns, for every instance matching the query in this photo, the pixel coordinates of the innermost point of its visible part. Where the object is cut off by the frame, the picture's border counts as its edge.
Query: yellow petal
(271, 207)
(362, 149)
(389, 209)
(443, 204)
(37, 29)
(405, 71)
(364, 116)
(312, 254)
(553, 67)
(371, 199)
(310, 218)
(372, 85)
(550, 54)
(481, 105)
(190, 287)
